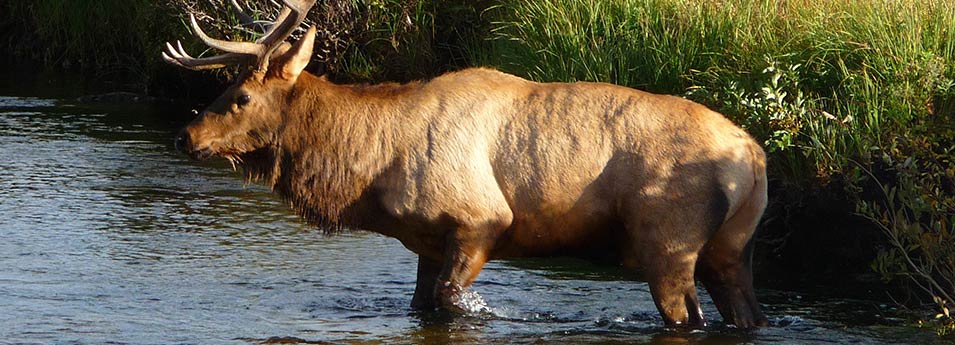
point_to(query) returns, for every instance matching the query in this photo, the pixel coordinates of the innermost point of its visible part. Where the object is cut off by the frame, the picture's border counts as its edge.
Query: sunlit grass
(874, 66)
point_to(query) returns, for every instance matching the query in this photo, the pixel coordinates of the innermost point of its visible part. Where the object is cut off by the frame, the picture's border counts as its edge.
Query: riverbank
(853, 101)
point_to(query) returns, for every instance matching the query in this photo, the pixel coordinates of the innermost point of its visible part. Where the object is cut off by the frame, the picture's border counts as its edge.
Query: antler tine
(284, 25)
(243, 17)
(226, 46)
(247, 20)
(267, 37)
(178, 56)
(242, 52)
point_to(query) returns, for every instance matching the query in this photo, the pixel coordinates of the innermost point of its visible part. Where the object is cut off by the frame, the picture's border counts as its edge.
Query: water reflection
(110, 236)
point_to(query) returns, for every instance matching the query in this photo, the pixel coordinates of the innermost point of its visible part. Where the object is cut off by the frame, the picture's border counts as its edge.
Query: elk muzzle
(185, 145)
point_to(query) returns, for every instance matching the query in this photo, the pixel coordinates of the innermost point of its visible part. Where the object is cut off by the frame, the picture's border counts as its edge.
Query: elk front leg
(466, 251)
(462, 264)
(428, 271)
(473, 214)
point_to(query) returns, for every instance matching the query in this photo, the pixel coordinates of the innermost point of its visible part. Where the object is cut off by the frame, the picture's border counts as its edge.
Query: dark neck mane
(335, 140)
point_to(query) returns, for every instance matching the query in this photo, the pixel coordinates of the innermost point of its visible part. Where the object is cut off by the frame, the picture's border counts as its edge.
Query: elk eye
(243, 100)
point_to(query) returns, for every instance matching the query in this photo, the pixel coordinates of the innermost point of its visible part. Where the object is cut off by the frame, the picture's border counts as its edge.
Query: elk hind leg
(728, 277)
(674, 290)
(668, 256)
(725, 266)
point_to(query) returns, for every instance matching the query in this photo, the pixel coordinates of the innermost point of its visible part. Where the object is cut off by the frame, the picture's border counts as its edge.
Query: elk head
(247, 116)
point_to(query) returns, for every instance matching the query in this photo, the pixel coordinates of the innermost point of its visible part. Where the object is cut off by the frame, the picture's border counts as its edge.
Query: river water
(107, 235)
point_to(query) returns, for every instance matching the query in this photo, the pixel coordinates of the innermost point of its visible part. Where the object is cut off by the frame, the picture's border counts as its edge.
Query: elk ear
(293, 61)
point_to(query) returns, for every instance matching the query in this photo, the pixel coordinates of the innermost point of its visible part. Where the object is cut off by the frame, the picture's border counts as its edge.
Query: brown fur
(477, 164)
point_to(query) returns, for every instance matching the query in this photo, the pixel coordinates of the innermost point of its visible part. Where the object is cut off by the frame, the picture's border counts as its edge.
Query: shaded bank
(853, 101)
(119, 41)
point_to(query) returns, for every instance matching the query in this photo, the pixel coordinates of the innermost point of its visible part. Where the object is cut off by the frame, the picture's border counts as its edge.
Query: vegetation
(86, 35)
(360, 41)
(854, 99)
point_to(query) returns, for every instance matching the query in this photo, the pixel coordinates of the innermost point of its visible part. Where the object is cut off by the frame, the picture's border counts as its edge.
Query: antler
(247, 20)
(259, 52)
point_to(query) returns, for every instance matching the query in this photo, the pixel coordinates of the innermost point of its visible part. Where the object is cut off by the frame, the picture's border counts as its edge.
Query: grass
(875, 64)
(403, 40)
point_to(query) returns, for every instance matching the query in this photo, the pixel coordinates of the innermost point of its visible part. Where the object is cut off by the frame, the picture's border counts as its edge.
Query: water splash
(787, 321)
(472, 303)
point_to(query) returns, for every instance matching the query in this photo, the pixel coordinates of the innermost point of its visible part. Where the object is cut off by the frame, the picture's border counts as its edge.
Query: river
(109, 236)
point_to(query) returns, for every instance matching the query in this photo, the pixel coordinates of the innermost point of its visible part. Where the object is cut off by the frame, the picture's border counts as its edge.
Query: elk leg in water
(473, 211)
(728, 277)
(463, 261)
(674, 290)
(725, 264)
(667, 251)
(428, 271)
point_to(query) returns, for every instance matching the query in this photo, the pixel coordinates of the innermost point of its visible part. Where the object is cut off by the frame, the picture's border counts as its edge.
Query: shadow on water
(109, 236)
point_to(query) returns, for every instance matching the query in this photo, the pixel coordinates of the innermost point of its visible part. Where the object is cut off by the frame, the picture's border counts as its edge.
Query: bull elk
(477, 165)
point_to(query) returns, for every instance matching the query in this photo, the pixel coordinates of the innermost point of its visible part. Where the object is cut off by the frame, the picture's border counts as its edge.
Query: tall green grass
(405, 40)
(860, 92)
(873, 66)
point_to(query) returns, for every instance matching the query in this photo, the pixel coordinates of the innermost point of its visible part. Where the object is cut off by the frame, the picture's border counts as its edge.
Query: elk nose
(183, 142)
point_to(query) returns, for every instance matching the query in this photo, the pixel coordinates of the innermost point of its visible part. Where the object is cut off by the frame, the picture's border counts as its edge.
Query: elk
(477, 165)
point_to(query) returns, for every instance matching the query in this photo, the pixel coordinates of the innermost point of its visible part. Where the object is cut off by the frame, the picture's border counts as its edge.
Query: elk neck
(334, 141)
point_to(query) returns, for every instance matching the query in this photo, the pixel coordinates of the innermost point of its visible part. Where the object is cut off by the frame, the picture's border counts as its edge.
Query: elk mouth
(258, 162)
(201, 155)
